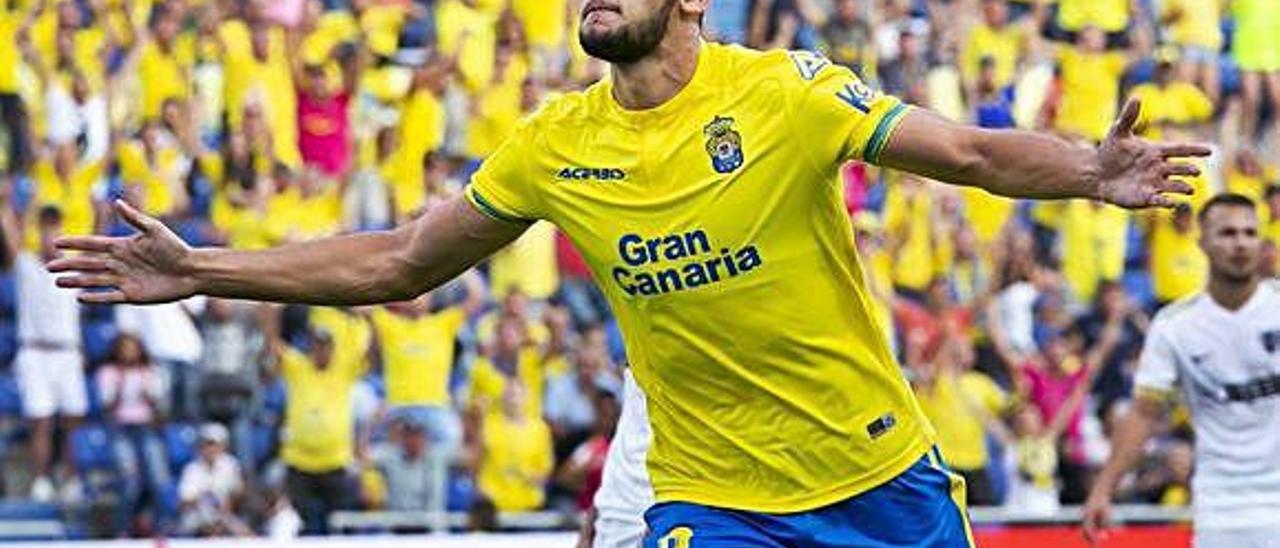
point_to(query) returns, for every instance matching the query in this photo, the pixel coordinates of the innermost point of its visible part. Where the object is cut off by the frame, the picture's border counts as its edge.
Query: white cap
(212, 431)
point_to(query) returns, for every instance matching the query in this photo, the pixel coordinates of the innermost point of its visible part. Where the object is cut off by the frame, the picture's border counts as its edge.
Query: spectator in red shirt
(584, 469)
(1049, 379)
(927, 325)
(324, 135)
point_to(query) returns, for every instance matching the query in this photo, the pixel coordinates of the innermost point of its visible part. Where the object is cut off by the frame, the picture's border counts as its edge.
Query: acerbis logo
(590, 174)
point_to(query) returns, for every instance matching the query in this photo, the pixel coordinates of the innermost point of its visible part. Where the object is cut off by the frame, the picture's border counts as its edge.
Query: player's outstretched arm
(155, 266)
(1131, 435)
(1124, 169)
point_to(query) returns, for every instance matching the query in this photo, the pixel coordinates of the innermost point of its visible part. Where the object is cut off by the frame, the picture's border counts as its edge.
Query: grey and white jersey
(1227, 366)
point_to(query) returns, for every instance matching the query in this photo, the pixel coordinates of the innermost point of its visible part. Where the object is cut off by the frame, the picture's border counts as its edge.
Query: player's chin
(598, 35)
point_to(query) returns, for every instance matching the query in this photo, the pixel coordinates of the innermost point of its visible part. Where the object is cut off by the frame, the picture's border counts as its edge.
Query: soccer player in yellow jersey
(699, 182)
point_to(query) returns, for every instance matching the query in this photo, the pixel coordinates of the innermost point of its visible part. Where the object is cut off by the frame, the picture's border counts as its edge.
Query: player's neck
(655, 79)
(1231, 294)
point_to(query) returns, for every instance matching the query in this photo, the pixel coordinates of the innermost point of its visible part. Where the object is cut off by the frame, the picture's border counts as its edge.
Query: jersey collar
(686, 94)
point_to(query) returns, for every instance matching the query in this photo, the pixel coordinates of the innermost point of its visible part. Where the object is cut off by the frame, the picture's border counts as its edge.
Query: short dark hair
(1226, 199)
(1271, 191)
(49, 215)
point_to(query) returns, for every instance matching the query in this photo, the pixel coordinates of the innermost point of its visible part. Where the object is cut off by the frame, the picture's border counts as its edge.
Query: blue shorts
(923, 506)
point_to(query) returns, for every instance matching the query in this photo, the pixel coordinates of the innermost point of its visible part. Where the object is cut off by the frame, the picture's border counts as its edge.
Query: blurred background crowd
(249, 123)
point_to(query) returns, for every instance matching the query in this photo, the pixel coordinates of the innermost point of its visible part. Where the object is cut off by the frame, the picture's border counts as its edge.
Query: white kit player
(617, 520)
(1221, 349)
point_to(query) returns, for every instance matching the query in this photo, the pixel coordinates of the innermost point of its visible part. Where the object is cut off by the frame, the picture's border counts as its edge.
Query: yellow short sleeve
(846, 118)
(503, 188)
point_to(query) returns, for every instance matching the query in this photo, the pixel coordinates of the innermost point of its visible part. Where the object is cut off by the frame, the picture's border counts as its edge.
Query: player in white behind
(617, 519)
(1221, 349)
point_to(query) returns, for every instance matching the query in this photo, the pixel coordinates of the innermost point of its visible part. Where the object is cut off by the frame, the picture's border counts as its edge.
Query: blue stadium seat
(91, 448)
(23, 510)
(274, 398)
(8, 341)
(1138, 285)
(8, 296)
(94, 397)
(167, 503)
(18, 509)
(10, 396)
(264, 440)
(460, 493)
(98, 338)
(180, 444)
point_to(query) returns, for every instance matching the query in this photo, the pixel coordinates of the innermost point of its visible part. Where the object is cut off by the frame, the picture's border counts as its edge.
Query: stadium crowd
(249, 123)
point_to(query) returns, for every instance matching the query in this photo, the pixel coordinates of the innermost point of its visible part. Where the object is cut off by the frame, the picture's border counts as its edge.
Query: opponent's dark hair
(1226, 199)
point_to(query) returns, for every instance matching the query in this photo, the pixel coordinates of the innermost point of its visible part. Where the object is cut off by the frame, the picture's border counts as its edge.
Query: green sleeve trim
(880, 137)
(489, 210)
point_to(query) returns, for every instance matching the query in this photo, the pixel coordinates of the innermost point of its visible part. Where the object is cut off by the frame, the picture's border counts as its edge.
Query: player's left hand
(1135, 173)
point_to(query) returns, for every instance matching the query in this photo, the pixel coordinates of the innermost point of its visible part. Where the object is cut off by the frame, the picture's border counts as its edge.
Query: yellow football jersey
(717, 227)
(417, 354)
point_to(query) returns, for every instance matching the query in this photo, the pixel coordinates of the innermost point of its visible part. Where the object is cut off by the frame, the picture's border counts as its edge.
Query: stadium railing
(447, 521)
(1122, 514)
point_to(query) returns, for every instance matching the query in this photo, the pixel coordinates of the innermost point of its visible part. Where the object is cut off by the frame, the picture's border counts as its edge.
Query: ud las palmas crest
(724, 144)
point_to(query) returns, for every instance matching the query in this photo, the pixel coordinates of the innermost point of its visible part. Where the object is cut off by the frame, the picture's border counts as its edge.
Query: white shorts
(1262, 537)
(619, 532)
(51, 382)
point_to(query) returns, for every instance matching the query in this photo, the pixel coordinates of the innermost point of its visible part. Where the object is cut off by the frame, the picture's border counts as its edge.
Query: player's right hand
(152, 266)
(1096, 517)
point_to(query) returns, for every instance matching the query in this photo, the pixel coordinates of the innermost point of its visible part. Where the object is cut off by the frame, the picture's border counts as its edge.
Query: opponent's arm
(1132, 433)
(1123, 170)
(155, 266)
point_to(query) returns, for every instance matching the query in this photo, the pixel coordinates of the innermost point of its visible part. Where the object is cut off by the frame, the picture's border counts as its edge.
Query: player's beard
(628, 43)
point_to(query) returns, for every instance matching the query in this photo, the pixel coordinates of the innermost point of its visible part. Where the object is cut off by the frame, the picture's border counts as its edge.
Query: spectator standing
(163, 63)
(1256, 49)
(13, 111)
(318, 438)
(1055, 382)
(412, 467)
(960, 403)
(847, 39)
(231, 385)
(49, 365)
(417, 347)
(1090, 79)
(1272, 231)
(132, 393)
(570, 406)
(905, 74)
(510, 360)
(994, 41)
(1178, 267)
(324, 130)
(583, 471)
(168, 331)
(1113, 381)
(513, 454)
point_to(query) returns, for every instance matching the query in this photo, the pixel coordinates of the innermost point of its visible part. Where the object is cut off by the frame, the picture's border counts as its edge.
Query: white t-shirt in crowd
(1227, 366)
(167, 330)
(215, 481)
(1016, 308)
(47, 314)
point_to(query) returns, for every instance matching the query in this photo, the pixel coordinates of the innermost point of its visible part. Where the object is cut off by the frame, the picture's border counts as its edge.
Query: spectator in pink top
(1055, 381)
(132, 392)
(324, 130)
